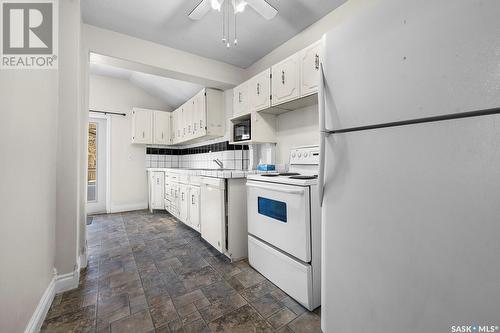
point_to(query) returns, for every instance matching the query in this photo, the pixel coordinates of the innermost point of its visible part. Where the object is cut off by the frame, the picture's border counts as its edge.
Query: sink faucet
(219, 163)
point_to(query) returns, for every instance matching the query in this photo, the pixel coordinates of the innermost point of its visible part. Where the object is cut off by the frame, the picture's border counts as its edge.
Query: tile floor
(150, 273)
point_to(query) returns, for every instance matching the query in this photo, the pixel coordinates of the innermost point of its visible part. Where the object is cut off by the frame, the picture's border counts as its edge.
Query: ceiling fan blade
(263, 8)
(200, 10)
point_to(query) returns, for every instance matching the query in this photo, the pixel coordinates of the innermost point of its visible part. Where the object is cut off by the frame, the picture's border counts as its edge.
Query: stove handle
(271, 188)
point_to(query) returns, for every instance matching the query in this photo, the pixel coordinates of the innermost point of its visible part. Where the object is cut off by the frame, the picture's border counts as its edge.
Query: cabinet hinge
(205, 93)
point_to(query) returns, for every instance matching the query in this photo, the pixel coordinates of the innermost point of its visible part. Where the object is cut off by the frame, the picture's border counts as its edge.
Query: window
(272, 208)
(92, 164)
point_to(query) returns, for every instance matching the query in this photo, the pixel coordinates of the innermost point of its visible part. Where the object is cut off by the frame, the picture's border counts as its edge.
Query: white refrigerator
(410, 139)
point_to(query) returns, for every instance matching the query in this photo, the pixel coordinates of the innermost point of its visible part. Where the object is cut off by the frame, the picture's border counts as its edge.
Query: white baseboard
(36, 320)
(82, 260)
(128, 207)
(58, 284)
(68, 281)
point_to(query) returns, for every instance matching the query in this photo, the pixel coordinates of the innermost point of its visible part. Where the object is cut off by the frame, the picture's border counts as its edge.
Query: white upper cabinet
(161, 131)
(259, 91)
(175, 125)
(309, 60)
(241, 103)
(200, 115)
(188, 109)
(285, 80)
(142, 126)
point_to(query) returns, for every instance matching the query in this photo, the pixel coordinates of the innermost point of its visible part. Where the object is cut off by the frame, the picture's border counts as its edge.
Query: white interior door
(96, 167)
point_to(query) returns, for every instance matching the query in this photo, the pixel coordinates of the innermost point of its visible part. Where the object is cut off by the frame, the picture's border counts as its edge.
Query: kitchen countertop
(210, 173)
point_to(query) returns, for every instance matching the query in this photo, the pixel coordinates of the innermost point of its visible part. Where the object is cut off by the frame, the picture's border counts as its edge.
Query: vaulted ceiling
(173, 92)
(166, 22)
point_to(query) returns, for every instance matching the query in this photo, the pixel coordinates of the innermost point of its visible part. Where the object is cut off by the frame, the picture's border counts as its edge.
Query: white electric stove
(284, 227)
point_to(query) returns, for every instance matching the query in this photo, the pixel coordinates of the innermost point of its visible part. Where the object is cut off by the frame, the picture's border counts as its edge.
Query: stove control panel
(304, 155)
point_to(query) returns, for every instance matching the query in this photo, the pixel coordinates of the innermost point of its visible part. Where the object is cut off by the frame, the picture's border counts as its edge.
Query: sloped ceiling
(173, 92)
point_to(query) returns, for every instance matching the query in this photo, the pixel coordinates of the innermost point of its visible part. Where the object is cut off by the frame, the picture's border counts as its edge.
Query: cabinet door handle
(182, 196)
(282, 77)
(192, 199)
(201, 124)
(162, 135)
(316, 62)
(258, 88)
(239, 97)
(143, 134)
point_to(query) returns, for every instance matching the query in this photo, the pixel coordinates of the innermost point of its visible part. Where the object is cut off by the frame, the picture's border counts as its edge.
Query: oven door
(280, 215)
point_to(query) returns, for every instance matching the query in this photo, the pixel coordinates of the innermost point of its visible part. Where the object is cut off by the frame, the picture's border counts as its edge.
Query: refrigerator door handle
(321, 171)
(322, 134)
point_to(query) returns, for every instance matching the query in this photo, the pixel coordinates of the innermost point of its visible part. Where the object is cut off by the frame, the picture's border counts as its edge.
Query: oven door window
(272, 208)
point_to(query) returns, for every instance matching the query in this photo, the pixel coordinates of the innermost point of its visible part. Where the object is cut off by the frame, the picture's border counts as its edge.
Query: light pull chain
(228, 44)
(235, 32)
(224, 24)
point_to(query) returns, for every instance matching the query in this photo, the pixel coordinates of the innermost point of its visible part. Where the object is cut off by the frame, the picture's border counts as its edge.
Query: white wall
(33, 221)
(68, 144)
(28, 142)
(296, 128)
(128, 161)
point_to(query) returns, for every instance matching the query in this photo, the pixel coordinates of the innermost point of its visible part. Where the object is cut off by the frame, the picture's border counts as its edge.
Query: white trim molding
(129, 207)
(58, 284)
(68, 281)
(36, 320)
(82, 260)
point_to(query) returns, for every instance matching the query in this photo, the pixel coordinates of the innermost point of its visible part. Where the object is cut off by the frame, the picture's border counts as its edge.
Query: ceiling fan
(260, 6)
(238, 6)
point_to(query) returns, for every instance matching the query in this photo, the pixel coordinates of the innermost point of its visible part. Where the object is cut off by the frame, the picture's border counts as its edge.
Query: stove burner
(289, 174)
(270, 175)
(304, 177)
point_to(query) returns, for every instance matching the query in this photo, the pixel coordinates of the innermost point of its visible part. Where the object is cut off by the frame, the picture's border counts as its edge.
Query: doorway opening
(96, 167)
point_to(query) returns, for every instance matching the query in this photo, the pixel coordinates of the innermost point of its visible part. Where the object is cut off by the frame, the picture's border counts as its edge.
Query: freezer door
(394, 60)
(411, 226)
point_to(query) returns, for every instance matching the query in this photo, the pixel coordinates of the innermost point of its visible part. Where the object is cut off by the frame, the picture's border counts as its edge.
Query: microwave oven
(242, 131)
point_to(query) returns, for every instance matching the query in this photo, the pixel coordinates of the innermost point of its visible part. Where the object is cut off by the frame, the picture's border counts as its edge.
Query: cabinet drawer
(292, 276)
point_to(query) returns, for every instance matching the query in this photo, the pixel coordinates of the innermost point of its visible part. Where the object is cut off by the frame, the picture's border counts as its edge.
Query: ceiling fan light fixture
(216, 4)
(239, 6)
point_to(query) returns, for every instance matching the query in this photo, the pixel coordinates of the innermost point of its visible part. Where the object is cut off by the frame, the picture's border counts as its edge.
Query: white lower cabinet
(156, 180)
(183, 203)
(182, 198)
(194, 208)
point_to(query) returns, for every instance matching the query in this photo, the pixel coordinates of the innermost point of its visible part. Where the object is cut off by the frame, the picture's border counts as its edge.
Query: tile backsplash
(200, 157)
